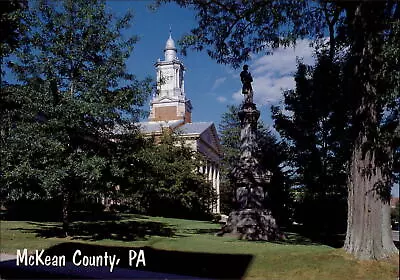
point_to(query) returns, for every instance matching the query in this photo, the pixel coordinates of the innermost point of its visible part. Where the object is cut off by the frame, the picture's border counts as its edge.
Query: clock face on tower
(168, 75)
(166, 82)
(170, 80)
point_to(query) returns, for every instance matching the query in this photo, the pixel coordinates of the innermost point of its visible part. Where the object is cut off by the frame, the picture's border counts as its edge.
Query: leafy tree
(168, 181)
(231, 30)
(71, 116)
(11, 28)
(229, 129)
(271, 156)
(317, 131)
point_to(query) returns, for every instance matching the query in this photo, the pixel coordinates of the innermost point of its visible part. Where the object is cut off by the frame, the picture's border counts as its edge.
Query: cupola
(170, 49)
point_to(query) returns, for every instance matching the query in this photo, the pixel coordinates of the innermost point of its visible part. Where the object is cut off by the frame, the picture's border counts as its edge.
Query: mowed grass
(269, 260)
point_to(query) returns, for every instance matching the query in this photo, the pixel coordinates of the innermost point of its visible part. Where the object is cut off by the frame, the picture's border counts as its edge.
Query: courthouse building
(171, 109)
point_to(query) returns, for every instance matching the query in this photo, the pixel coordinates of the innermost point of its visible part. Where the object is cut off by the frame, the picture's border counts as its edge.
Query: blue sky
(210, 86)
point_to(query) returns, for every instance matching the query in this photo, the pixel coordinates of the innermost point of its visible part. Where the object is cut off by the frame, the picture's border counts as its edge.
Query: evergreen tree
(74, 105)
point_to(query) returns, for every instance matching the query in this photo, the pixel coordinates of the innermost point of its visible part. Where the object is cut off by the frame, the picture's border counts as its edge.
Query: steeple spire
(170, 101)
(170, 49)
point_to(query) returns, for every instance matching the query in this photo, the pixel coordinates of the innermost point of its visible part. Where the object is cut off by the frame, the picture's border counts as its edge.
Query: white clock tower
(171, 111)
(169, 102)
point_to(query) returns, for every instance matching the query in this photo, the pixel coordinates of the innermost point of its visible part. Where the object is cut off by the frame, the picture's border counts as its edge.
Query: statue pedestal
(251, 221)
(252, 224)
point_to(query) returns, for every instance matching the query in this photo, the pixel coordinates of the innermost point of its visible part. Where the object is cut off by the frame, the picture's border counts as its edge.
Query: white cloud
(274, 73)
(283, 60)
(217, 83)
(238, 96)
(268, 90)
(221, 99)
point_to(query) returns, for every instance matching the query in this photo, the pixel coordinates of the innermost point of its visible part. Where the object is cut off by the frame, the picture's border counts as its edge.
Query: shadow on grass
(183, 264)
(211, 231)
(175, 262)
(135, 216)
(293, 238)
(115, 230)
(51, 211)
(332, 240)
(298, 235)
(54, 215)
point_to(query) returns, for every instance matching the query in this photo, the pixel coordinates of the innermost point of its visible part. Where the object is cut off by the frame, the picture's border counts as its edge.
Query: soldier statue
(247, 79)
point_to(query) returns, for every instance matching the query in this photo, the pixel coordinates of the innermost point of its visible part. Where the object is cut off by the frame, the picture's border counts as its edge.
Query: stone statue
(247, 89)
(251, 219)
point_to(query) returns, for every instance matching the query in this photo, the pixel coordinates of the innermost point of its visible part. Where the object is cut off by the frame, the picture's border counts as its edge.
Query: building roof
(204, 132)
(195, 128)
(157, 126)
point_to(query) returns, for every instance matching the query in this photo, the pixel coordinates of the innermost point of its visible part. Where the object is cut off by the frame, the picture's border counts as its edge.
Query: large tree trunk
(369, 235)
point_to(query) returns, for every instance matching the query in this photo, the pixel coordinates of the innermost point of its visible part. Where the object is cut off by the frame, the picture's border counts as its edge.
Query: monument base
(252, 224)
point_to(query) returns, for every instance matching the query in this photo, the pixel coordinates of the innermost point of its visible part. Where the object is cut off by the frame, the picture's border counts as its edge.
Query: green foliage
(167, 180)
(70, 116)
(11, 27)
(315, 123)
(229, 129)
(273, 156)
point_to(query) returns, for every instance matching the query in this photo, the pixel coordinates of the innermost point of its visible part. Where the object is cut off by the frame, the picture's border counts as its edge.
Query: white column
(213, 176)
(183, 83)
(213, 186)
(209, 178)
(218, 192)
(177, 78)
(210, 171)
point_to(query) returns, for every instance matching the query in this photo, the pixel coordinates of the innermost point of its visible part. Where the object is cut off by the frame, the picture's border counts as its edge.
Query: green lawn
(268, 260)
